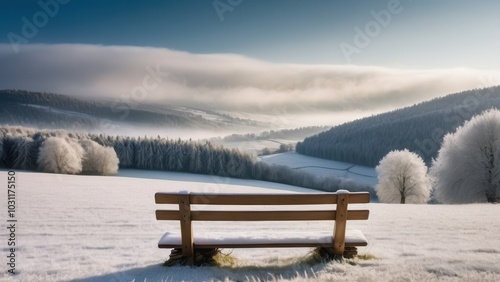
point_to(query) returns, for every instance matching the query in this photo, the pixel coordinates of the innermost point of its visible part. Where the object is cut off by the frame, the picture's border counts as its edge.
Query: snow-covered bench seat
(335, 208)
(271, 240)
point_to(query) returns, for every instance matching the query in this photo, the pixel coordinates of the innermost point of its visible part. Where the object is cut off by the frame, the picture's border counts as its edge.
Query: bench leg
(186, 228)
(340, 223)
(329, 253)
(201, 257)
(350, 252)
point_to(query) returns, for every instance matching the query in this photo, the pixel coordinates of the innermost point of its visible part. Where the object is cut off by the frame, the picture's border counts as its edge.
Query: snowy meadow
(94, 228)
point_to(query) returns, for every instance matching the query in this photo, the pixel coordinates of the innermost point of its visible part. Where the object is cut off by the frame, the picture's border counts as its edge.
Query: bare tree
(467, 169)
(402, 178)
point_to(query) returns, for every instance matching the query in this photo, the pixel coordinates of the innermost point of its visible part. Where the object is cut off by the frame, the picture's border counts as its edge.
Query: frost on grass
(107, 231)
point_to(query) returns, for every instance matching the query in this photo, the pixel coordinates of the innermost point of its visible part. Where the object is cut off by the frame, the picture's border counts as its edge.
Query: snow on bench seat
(248, 240)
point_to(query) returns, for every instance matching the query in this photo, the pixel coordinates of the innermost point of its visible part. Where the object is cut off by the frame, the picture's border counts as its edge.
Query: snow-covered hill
(419, 128)
(321, 167)
(92, 228)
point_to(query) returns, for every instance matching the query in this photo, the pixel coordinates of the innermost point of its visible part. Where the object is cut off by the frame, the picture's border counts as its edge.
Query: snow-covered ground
(89, 228)
(255, 147)
(322, 167)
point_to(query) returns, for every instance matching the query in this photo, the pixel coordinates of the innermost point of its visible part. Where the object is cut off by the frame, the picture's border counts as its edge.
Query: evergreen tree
(157, 161)
(195, 165)
(9, 154)
(178, 157)
(144, 154)
(22, 149)
(1, 152)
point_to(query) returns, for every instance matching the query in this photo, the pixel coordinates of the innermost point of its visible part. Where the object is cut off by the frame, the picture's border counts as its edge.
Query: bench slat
(353, 238)
(262, 245)
(168, 215)
(261, 215)
(262, 199)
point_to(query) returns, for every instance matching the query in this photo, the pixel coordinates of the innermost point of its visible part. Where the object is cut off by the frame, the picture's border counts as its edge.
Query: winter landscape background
(103, 104)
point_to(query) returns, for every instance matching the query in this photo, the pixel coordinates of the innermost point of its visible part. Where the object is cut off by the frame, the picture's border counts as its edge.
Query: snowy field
(322, 167)
(255, 147)
(87, 228)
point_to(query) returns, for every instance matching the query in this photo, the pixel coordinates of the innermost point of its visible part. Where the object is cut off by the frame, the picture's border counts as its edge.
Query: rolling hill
(419, 128)
(55, 111)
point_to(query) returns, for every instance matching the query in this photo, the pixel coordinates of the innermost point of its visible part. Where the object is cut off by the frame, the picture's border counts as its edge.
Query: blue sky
(285, 57)
(436, 34)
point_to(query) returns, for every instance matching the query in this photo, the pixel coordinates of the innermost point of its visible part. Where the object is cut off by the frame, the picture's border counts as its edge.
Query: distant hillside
(419, 128)
(47, 110)
(288, 134)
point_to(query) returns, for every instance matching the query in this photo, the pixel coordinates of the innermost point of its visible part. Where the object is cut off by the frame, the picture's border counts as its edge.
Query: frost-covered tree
(402, 178)
(195, 162)
(178, 156)
(127, 159)
(60, 155)
(467, 169)
(125, 150)
(38, 139)
(144, 154)
(157, 160)
(1, 152)
(23, 150)
(9, 153)
(98, 160)
(207, 152)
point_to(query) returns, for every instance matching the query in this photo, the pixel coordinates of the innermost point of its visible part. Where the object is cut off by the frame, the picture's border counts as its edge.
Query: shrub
(60, 155)
(98, 160)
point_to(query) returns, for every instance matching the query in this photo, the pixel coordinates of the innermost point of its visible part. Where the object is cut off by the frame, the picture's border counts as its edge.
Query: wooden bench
(335, 208)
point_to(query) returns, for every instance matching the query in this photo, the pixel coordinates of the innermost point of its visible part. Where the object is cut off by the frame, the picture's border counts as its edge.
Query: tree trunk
(403, 191)
(492, 194)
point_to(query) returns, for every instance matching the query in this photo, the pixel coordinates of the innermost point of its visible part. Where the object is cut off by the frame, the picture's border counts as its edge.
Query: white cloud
(226, 81)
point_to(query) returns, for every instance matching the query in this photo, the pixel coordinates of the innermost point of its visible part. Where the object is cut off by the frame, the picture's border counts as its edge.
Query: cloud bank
(225, 82)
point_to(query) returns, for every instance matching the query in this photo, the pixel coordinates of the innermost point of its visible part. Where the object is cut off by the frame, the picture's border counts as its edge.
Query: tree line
(20, 148)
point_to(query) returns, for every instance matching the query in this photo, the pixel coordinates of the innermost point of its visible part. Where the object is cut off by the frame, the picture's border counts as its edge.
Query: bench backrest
(339, 213)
